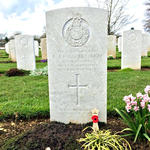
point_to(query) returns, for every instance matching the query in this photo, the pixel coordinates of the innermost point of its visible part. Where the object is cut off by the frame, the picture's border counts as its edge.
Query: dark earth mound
(58, 136)
(16, 72)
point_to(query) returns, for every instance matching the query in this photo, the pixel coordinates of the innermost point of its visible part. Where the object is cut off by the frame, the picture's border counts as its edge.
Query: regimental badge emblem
(76, 31)
(132, 37)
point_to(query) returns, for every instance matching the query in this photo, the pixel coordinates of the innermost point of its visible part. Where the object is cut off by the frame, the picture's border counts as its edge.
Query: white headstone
(120, 44)
(148, 42)
(132, 45)
(25, 52)
(36, 48)
(12, 50)
(77, 64)
(7, 48)
(111, 46)
(44, 48)
(145, 44)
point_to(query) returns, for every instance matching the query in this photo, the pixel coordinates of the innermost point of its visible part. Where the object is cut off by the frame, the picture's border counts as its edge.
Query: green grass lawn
(6, 66)
(125, 83)
(116, 63)
(28, 95)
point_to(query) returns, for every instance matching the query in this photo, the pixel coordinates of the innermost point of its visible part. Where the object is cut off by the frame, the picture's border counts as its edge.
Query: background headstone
(77, 64)
(7, 48)
(12, 50)
(145, 44)
(132, 45)
(120, 44)
(25, 52)
(36, 48)
(149, 43)
(111, 46)
(44, 48)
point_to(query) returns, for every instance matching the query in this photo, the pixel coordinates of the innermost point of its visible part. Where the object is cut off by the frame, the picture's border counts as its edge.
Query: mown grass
(6, 66)
(116, 63)
(28, 95)
(124, 83)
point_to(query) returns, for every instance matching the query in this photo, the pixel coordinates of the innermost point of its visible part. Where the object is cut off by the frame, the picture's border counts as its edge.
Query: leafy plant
(38, 72)
(104, 140)
(137, 115)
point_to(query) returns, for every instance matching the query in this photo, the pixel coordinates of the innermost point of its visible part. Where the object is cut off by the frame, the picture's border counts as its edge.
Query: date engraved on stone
(76, 31)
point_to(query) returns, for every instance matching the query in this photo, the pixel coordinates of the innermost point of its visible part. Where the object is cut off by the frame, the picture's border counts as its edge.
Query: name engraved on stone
(77, 86)
(76, 31)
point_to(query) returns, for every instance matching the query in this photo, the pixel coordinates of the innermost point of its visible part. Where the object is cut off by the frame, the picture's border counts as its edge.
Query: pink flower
(128, 107)
(142, 104)
(139, 95)
(147, 89)
(148, 107)
(126, 98)
(136, 108)
(131, 97)
(145, 98)
(133, 103)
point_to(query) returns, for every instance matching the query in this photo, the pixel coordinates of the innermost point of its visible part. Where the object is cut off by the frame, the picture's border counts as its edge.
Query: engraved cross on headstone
(77, 86)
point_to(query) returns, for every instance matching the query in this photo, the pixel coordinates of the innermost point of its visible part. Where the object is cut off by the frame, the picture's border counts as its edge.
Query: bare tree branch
(147, 17)
(117, 17)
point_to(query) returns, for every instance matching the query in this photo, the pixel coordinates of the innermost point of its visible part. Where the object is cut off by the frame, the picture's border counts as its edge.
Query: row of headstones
(23, 49)
(133, 44)
(77, 62)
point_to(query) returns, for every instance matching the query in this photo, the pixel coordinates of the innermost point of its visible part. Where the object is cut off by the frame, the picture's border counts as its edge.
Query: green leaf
(137, 133)
(147, 137)
(130, 134)
(127, 119)
(127, 129)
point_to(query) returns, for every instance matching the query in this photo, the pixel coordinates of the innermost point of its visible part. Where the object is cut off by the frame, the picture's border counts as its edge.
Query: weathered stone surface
(7, 48)
(44, 48)
(77, 64)
(120, 45)
(12, 50)
(25, 52)
(132, 45)
(145, 44)
(36, 48)
(111, 46)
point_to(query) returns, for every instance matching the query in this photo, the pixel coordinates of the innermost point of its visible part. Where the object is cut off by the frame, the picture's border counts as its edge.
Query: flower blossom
(131, 97)
(145, 98)
(142, 104)
(128, 108)
(139, 95)
(147, 89)
(136, 108)
(148, 107)
(133, 103)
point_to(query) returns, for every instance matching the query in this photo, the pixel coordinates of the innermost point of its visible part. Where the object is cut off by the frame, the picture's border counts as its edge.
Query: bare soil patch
(42, 133)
